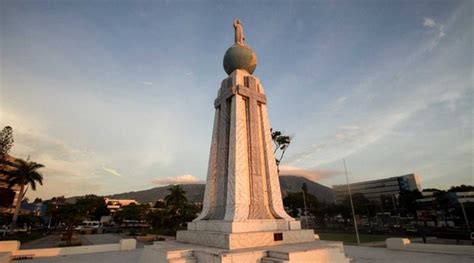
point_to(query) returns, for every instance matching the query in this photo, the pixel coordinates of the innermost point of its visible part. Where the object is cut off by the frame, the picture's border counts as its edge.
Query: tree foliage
(362, 205)
(177, 211)
(295, 202)
(461, 188)
(70, 215)
(176, 197)
(25, 173)
(93, 206)
(6, 140)
(407, 202)
(133, 212)
(281, 142)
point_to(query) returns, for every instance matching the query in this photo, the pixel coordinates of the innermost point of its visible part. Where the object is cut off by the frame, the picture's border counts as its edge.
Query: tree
(70, 215)
(24, 173)
(295, 201)
(133, 212)
(282, 142)
(159, 204)
(179, 210)
(461, 188)
(6, 140)
(176, 196)
(6, 143)
(94, 206)
(407, 204)
(362, 205)
(52, 209)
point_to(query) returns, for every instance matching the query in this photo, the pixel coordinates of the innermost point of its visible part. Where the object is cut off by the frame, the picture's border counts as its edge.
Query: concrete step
(274, 260)
(278, 255)
(183, 260)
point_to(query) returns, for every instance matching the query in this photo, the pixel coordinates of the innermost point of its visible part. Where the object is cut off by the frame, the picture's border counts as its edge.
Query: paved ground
(359, 255)
(44, 242)
(98, 239)
(105, 257)
(372, 255)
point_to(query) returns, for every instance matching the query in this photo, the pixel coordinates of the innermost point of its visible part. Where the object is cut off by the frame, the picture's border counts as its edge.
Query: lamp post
(352, 205)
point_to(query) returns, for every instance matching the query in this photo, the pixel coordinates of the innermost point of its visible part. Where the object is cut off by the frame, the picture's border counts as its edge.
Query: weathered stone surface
(244, 239)
(242, 183)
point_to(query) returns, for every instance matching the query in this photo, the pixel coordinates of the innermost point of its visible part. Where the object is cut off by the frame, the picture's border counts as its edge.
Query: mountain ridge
(195, 192)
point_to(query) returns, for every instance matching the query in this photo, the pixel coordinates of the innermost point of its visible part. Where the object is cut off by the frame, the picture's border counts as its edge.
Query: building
(115, 205)
(428, 198)
(375, 189)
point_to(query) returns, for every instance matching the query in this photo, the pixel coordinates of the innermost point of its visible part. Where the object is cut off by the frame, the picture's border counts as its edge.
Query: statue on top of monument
(239, 32)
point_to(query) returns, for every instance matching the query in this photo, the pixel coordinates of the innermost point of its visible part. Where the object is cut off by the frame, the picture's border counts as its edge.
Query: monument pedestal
(245, 240)
(314, 252)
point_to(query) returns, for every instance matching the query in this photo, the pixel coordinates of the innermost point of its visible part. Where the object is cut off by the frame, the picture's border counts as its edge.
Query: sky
(117, 96)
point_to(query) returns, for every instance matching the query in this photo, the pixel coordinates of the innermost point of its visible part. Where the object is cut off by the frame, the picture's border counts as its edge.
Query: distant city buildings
(428, 198)
(115, 205)
(375, 189)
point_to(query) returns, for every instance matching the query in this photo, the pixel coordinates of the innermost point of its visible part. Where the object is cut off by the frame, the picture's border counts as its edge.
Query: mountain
(290, 184)
(195, 192)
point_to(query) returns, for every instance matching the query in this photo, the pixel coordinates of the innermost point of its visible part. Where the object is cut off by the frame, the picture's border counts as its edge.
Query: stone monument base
(314, 252)
(244, 240)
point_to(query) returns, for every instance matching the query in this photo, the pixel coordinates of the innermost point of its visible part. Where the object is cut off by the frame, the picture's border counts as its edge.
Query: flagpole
(352, 205)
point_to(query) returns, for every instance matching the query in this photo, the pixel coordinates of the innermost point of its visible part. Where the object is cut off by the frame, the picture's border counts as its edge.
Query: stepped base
(245, 240)
(314, 251)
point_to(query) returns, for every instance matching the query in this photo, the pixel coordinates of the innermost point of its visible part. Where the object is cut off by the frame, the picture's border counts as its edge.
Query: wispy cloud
(411, 77)
(112, 171)
(180, 179)
(147, 83)
(429, 22)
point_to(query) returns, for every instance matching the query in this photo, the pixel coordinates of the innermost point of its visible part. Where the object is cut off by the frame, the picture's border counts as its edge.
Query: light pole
(305, 213)
(352, 205)
(465, 216)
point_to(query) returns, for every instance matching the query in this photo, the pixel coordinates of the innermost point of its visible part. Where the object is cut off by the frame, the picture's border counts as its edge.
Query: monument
(243, 218)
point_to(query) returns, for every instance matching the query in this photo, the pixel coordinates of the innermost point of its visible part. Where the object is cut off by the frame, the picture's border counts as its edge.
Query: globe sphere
(240, 57)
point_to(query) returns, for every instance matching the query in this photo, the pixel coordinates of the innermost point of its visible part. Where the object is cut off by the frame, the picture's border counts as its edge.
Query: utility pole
(352, 205)
(465, 216)
(304, 188)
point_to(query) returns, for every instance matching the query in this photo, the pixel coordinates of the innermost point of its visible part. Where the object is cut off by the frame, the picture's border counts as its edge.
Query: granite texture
(243, 239)
(242, 182)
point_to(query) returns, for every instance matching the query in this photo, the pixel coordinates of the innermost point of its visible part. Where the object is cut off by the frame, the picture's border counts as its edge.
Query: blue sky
(117, 96)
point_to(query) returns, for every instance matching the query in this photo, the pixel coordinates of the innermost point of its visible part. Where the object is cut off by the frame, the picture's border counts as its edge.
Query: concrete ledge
(5, 257)
(404, 244)
(125, 244)
(10, 245)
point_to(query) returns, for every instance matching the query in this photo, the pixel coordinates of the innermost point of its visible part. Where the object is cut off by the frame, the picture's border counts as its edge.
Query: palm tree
(23, 173)
(176, 196)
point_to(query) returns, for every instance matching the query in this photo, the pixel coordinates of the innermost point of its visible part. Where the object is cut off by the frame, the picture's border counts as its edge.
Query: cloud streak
(179, 179)
(112, 171)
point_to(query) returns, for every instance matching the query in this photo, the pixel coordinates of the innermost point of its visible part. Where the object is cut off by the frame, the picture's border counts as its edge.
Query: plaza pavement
(358, 254)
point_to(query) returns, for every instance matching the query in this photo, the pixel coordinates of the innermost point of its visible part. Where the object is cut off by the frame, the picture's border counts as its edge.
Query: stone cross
(254, 100)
